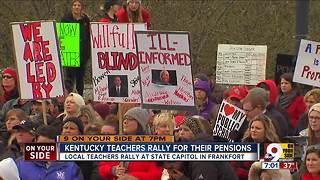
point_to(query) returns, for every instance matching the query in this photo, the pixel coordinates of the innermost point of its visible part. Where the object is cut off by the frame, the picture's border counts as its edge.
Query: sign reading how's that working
(69, 40)
(230, 118)
(165, 70)
(38, 59)
(307, 69)
(241, 64)
(114, 62)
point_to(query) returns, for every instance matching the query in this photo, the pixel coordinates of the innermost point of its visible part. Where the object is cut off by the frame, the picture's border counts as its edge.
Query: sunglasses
(6, 76)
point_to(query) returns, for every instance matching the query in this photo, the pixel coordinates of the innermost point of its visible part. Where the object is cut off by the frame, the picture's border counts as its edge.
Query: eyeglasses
(6, 76)
(247, 110)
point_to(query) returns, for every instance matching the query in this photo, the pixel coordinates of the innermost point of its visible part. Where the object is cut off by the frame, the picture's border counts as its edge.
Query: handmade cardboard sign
(38, 59)
(165, 70)
(307, 69)
(230, 118)
(69, 41)
(241, 64)
(114, 62)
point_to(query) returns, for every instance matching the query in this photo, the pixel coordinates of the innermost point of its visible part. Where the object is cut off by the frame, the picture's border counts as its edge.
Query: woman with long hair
(260, 130)
(311, 166)
(290, 99)
(77, 15)
(314, 125)
(133, 12)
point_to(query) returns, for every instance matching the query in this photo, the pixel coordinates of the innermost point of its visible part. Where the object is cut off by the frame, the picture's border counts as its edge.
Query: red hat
(11, 72)
(178, 120)
(102, 109)
(238, 92)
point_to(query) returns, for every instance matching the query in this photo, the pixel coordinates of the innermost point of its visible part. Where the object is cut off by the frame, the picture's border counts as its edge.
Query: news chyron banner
(138, 148)
(165, 70)
(308, 63)
(279, 156)
(38, 60)
(114, 62)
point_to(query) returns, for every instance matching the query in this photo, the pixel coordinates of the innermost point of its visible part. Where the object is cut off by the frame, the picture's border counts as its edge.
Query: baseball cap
(26, 125)
(238, 92)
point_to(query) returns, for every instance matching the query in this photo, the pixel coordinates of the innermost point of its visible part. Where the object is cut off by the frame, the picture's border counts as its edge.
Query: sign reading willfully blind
(241, 64)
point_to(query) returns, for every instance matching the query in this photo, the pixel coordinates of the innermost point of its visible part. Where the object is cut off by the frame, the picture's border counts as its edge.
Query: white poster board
(165, 70)
(241, 64)
(307, 69)
(230, 118)
(114, 62)
(38, 59)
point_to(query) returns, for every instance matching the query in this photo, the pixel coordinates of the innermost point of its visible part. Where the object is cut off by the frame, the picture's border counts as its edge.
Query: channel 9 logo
(279, 152)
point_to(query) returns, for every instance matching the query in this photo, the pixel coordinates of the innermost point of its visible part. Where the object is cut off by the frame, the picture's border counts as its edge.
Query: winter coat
(122, 16)
(12, 151)
(278, 120)
(140, 170)
(29, 170)
(209, 170)
(279, 117)
(302, 124)
(308, 176)
(207, 108)
(295, 110)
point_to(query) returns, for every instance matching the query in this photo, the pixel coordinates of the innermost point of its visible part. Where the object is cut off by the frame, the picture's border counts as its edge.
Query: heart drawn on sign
(228, 109)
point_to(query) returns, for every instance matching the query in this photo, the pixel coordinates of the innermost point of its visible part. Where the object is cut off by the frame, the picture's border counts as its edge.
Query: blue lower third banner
(158, 152)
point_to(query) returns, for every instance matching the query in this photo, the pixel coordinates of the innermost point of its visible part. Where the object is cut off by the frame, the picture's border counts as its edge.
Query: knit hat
(137, 0)
(102, 109)
(178, 120)
(194, 124)
(9, 170)
(76, 121)
(315, 107)
(10, 72)
(140, 115)
(238, 92)
(78, 99)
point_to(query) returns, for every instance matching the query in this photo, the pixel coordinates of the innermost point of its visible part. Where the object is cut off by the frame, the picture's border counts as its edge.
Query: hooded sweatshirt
(204, 110)
(276, 114)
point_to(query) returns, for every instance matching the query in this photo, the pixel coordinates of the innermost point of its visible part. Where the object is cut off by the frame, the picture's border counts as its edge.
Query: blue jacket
(37, 170)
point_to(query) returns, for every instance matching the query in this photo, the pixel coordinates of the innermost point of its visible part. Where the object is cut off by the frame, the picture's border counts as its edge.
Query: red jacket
(140, 170)
(123, 16)
(308, 176)
(295, 110)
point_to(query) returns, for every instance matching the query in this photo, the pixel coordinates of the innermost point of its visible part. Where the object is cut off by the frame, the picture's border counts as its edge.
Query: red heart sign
(228, 109)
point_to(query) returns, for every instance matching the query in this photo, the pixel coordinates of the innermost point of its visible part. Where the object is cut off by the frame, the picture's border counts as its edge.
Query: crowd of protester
(274, 113)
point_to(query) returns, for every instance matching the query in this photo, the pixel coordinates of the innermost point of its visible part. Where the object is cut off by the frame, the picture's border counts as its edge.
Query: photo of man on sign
(118, 86)
(164, 77)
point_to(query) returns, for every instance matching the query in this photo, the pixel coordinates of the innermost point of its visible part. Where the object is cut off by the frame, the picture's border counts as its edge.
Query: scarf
(284, 101)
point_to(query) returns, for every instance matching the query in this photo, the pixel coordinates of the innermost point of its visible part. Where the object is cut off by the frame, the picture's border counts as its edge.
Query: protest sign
(284, 64)
(230, 118)
(38, 59)
(307, 69)
(114, 62)
(165, 70)
(69, 41)
(241, 64)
